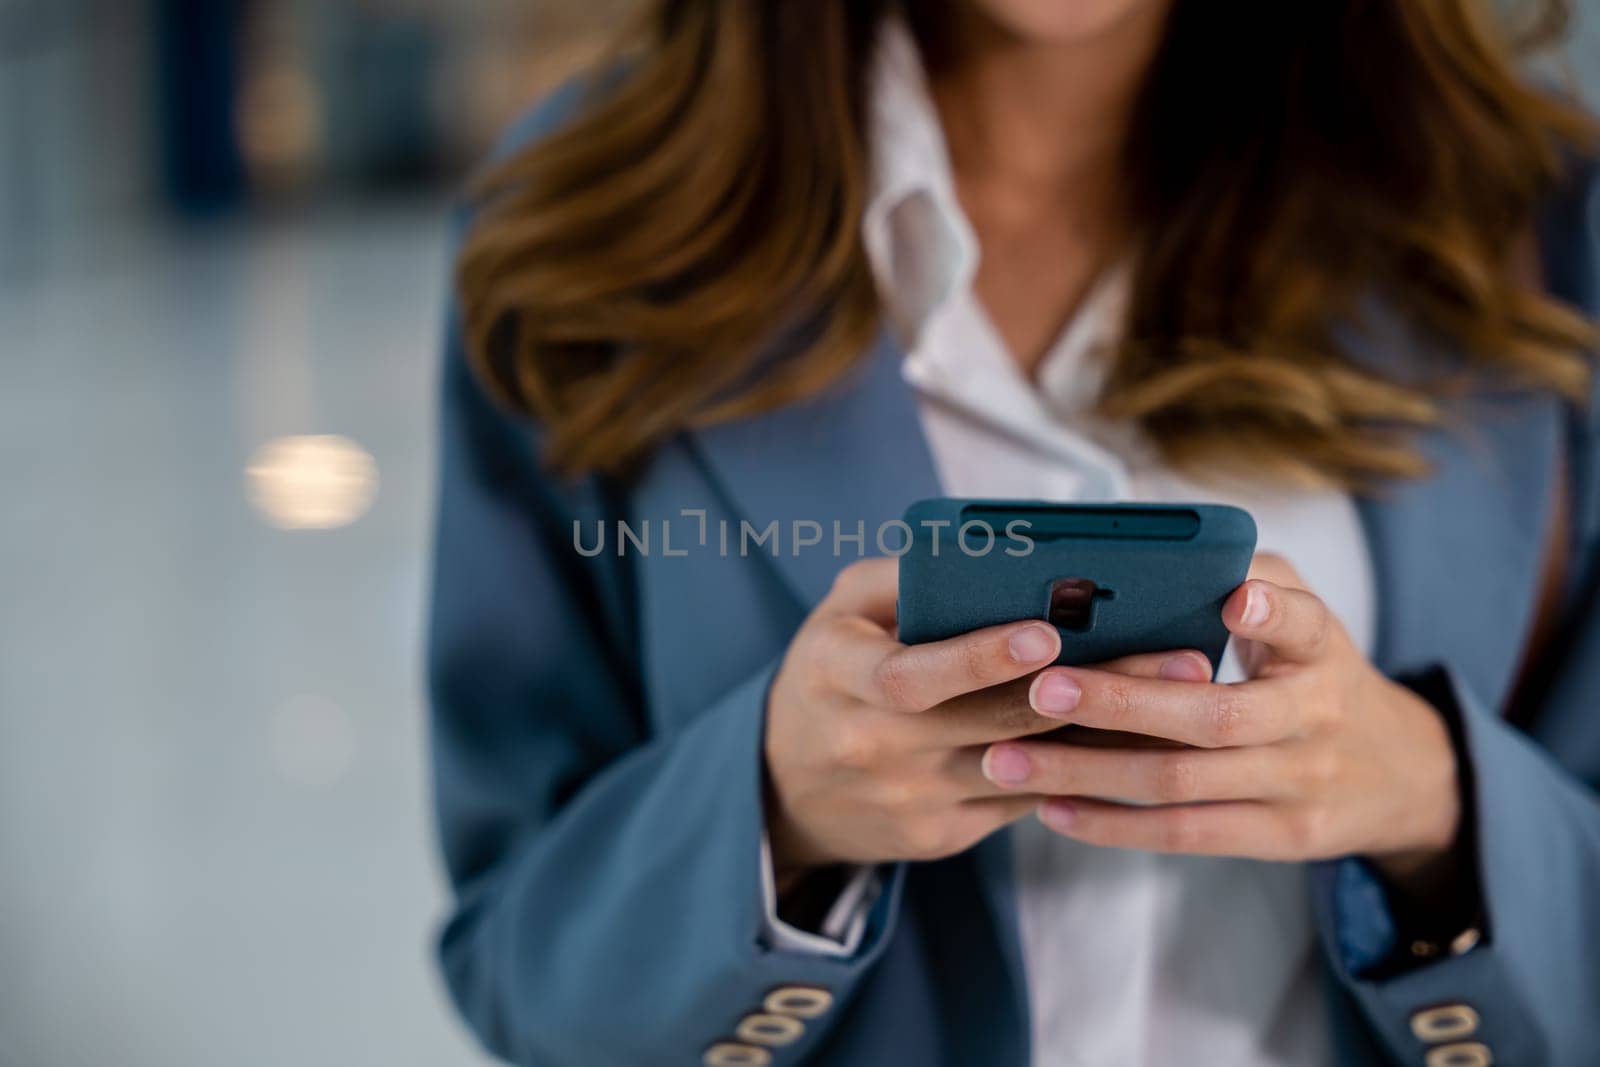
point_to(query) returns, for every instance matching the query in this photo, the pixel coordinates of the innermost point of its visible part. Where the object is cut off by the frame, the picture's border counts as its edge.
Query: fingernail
(1055, 695)
(1186, 668)
(1255, 607)
(1057, 815)
(1006, 765)
(1032, 644)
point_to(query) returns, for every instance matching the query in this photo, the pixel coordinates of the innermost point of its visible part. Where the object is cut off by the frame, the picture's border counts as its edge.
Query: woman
(1334, 262)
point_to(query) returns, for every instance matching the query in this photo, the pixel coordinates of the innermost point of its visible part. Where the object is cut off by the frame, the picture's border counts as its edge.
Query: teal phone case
(1115, 579)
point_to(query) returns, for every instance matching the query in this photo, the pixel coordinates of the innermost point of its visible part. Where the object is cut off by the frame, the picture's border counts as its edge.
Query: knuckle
(1320, 626)
(1319, 770)
(895, 684)
(1177, 780)
(1317, 714)
(1304, 828)
(849, 578)
(820, 639)
(973, 660)
(1116, 697)
(898, 796)
(838, 627)
(1181, 831)
(1225, 716)
(855, 747)
(812, 651)
(844, 629)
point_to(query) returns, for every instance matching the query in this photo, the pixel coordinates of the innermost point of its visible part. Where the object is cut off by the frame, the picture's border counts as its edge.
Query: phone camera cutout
(1073, 601)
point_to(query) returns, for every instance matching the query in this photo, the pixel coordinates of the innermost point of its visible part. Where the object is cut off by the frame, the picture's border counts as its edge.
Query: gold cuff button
(798, 1001)
(733, 1054)
(773, 1031)
(1460, 1054)
(1447, 1022)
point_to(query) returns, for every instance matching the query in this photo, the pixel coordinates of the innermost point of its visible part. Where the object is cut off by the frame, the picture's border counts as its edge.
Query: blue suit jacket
(597, 732)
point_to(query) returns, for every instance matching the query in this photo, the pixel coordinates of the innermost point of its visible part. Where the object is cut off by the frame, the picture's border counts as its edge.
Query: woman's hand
(1317, 756)
(875, 749)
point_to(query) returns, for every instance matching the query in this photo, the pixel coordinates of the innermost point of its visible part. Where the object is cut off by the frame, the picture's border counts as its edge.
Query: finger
(1187, 665)
(994, 714)
(1293, 623)
(963, 771)
(1208, 716)
(1244, 828)
(955, 827)
(867, 588)
(1145, 776)
(919, 677)
(1271, 567)
(1002, 809)
(966, 775)
(1040, 704)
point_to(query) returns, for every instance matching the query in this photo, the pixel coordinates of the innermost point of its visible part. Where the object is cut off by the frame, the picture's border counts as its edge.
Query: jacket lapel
(855, 455)
(1570, 258)
(1457, 556)
(1569, 246)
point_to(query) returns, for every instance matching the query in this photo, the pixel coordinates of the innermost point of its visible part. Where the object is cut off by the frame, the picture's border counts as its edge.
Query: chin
(1066, 21)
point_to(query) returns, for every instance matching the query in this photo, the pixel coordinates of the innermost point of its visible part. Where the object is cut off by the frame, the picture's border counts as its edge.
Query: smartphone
(1114, 579)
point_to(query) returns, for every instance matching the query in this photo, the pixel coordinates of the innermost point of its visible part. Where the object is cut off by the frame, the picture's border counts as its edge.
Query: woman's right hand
(875, 749)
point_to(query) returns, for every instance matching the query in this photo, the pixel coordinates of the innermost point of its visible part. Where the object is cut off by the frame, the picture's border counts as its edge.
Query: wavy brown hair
(627, 275)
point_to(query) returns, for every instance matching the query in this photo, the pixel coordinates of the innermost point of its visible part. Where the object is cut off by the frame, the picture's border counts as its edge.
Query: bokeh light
(317, 482)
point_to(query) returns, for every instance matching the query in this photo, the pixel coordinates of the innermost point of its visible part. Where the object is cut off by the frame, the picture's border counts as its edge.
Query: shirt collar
(924, 254)
(919, 242)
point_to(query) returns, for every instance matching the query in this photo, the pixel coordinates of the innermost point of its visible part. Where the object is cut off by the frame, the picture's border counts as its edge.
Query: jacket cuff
(772, 968)
(1363, 937)
(1364, 929)
(842, 927)
(1378, 933)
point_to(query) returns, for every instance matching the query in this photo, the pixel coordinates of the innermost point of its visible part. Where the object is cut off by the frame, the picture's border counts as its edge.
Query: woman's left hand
(1317, 755)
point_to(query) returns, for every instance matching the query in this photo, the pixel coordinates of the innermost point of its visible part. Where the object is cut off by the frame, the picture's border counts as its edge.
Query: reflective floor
(214, 837)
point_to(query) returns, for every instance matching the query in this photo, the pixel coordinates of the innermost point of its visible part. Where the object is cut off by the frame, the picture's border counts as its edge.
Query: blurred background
(222, 265)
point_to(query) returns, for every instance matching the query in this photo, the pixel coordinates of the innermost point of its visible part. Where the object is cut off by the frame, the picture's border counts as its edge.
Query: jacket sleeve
(606, 878)
(1532, 980)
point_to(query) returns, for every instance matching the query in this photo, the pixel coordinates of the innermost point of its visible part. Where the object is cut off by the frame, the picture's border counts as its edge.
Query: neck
(1050, 117)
